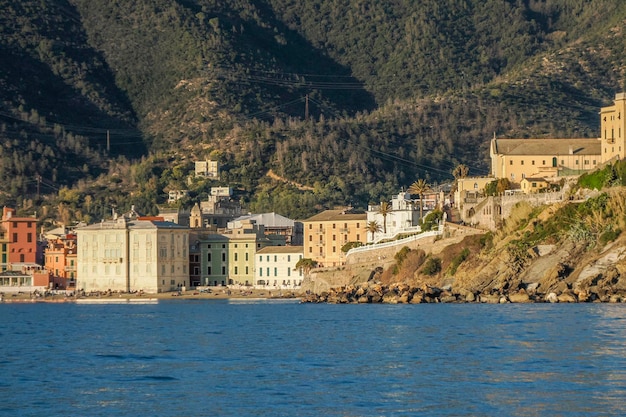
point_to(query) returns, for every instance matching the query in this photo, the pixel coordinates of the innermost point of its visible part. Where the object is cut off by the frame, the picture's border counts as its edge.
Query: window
(236, 256)
(275, 271)
(310, 238)
(223, 270)
(246, 256)
(14, 237)
(236, 271)
(310, 226)
(208, 258)
(288, 258)
(511, 162)
(334, 225)
(358, 237)
(260, 272)
(29, 237)
(334, 249)
(532, 162)
(223, 256)
(522, 162)
(310, 249)
(334, 237)
(275, 258)
(246, 270)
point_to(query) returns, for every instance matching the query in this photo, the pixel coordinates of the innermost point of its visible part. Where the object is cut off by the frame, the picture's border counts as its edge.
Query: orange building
(61, 260)
(21, 234)
(326, 232)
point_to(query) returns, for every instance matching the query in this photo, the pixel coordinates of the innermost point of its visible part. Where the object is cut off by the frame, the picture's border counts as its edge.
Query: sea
(283, 358)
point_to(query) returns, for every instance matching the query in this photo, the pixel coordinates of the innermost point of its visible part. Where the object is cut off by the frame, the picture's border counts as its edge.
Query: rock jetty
(401, 293)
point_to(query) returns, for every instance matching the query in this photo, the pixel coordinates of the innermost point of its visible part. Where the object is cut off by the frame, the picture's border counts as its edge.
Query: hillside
(106, 104)
(573, 249)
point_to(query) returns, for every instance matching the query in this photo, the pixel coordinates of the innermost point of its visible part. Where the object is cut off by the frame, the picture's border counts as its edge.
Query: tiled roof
(548, 146)
(281, 249)
(339, 215)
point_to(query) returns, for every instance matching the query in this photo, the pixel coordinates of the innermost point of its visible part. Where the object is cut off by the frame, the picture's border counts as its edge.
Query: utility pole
(108, 141)
(306, 107)
(38, 185)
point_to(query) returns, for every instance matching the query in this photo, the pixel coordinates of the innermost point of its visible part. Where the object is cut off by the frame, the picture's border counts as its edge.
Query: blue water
(215, 358)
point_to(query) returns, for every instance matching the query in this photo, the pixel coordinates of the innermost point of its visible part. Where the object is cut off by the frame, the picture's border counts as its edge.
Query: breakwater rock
(401, 293)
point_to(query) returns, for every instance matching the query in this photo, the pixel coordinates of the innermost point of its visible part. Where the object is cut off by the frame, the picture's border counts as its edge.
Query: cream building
(613, 129)
(133, 255)
(275, 267)
(517, 159)
(326, 232)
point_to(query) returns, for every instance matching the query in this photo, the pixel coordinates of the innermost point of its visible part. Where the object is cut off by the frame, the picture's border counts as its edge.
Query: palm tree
(384, 210)
(373, 227)
(419, 187)
(461, 171)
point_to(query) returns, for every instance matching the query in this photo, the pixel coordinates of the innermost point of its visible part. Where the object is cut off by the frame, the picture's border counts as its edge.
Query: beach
(214, 294)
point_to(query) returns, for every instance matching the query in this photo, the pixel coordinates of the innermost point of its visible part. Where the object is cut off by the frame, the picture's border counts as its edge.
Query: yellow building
(533, 185)
(326, 232)
(517, 159)
(613, 129)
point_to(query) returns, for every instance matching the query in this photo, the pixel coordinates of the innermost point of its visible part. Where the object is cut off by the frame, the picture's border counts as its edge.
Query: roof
(547, 146)
(339, 215)
(281, 249)
(132, 224)
(266, 219)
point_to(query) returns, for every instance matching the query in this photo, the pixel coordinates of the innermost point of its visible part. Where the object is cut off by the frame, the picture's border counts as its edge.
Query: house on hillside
(404, 215)
(517, 159)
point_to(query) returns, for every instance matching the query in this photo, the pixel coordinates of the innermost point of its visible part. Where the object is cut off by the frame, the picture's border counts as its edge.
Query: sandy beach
(219, 293)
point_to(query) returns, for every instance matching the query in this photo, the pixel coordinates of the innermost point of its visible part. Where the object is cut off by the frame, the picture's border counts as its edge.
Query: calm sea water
(215, 358)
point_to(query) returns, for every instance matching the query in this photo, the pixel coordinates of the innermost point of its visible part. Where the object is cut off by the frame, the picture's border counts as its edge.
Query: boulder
(417, 298)
(567, 297)
(519, 297)
(552, 298)
(470, 297)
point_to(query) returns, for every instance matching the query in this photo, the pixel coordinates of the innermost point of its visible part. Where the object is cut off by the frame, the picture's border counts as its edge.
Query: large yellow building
(326, 232)
(517, 159)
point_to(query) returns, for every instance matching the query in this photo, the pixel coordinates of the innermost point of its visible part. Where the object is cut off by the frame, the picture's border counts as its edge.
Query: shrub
(432, 266)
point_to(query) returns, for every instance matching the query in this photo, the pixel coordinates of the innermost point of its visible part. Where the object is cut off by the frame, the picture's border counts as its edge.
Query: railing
(378, 246)
(413, 229)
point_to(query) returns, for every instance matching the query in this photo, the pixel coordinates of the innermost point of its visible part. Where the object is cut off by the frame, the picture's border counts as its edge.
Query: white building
(275, 267)
(133, 255)
(208, 168)
(403, 217)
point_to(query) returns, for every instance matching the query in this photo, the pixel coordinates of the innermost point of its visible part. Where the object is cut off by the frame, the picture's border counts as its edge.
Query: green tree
(306, 264)
(373, 227)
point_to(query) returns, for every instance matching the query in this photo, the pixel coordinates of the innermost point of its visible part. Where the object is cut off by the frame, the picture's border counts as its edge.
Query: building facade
(61, 260)
(133, 255)
(404, 216)
(275, 267)
(517, 159)
(326, 232)
(21, 235)
(613, 129)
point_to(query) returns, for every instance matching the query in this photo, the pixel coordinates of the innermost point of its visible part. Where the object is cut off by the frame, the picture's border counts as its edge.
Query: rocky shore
(401, 293)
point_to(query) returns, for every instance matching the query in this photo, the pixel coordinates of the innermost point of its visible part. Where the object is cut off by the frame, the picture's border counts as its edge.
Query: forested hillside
(107, 104)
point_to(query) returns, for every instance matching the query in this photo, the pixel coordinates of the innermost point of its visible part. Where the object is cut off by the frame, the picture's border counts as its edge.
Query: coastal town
(217, 246)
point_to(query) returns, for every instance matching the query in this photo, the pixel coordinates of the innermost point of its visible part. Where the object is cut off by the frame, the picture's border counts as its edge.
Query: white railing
(412, 229)
(378, 246)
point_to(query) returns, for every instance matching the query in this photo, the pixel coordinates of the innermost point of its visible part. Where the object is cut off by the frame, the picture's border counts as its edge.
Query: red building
(21, 234)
